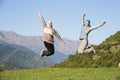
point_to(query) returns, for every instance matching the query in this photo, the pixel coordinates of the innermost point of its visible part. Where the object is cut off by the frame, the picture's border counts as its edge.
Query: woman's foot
(93, 50)
(42, 54)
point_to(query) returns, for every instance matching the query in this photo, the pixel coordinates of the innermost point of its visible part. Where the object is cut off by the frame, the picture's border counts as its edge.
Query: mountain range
(19, 57)
(18, 51)
(35, 43)
(21, 52)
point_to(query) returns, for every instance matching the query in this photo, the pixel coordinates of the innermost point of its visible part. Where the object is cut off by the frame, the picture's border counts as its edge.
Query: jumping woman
(48, 37)
(86, 28)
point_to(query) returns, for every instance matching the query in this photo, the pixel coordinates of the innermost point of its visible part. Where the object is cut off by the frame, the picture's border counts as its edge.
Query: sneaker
(42, 53)
(93, 50)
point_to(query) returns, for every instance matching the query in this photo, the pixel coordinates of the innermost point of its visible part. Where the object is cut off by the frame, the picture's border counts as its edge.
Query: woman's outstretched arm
(58, 36)
(42, 20)
(97, 26)
(83, 19)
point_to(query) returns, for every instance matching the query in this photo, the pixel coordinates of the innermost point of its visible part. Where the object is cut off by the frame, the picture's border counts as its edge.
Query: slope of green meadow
(103, 66)
(62, 74)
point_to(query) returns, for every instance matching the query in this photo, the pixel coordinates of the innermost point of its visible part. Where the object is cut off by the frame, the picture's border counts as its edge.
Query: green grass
(62, 74)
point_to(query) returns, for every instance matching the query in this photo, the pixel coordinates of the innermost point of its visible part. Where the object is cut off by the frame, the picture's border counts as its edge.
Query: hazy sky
(21, 16)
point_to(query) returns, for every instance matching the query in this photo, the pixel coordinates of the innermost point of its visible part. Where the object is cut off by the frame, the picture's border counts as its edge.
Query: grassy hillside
(78, 66)
(62, 74)
(108, 55)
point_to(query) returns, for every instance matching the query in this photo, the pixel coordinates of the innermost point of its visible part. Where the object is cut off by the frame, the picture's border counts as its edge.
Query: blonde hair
(49, 23)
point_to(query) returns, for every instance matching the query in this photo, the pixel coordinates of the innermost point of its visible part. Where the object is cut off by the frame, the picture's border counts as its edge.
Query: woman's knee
(52, 52)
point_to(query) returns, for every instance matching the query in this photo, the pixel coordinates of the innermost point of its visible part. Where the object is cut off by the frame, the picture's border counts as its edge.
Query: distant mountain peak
(36, 43)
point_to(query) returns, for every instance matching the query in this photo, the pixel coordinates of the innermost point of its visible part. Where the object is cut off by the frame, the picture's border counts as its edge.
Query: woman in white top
(48, 37)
